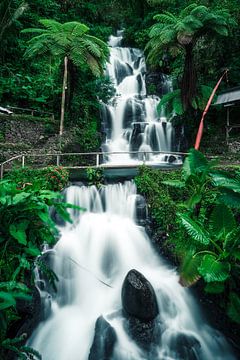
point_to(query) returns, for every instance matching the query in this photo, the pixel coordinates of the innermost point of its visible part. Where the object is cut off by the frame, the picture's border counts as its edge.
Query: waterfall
(130, 120)
(91, 260)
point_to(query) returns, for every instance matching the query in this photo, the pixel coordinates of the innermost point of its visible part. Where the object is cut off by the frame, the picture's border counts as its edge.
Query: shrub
(53, 178)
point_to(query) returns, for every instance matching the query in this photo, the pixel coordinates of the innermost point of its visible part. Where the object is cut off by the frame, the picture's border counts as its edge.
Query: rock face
(104, 340)
(138, 297)
(185, 347)
(140, 310)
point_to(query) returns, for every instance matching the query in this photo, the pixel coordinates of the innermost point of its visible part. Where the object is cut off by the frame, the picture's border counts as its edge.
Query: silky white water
(130, 120)
(91, 260)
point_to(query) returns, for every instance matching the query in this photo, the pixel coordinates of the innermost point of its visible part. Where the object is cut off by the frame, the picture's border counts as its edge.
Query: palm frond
(52, 25)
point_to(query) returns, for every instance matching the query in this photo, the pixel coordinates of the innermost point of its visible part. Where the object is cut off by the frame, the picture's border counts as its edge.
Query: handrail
(30, 110)
(97, 154)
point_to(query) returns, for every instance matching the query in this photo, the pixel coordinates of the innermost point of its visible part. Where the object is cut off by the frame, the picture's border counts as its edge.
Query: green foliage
(53, 178)
(71, 40)
(171, 103)
(25, 226)
(212, 227)
(95, 176)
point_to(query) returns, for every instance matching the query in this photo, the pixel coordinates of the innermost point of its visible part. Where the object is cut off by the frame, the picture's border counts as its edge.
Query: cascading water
(131, 121)
(91, 260)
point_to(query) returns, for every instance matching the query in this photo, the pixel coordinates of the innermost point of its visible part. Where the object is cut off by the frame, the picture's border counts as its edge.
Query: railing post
(58, 160)
(1, 172)
(144, 157)
(97, 160)
(23, 161)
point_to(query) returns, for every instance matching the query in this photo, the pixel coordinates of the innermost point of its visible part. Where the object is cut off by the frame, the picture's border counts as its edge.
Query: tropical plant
(72, 43)
(216, 257)
(212, 232)
(25, 226)
(171, 103)
(183, 33)
(197, 175)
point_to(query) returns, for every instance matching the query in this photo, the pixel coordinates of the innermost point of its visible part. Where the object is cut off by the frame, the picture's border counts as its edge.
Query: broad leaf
(6, 300)
(230, 198)
(189, 269)
(18, 198)
(18, 231)
(222, 221)
(212, 269)
(194, 229)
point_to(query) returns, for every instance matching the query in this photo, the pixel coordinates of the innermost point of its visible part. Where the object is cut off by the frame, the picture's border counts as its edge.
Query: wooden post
(97, 160)
(228, 123)
(63, 94)
(1, 176)
(58, 160)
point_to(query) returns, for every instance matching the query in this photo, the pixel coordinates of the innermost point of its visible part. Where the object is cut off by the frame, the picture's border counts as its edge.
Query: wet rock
(122, 70)
(146, 334)
(171, 159)
(138, 297)
(157, 83)
(30, 312)
(104, 341)
(185, 347)
(141, 210)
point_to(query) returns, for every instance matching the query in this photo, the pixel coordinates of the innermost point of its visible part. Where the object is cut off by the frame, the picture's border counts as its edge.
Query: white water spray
(131, 121)
(91, 261)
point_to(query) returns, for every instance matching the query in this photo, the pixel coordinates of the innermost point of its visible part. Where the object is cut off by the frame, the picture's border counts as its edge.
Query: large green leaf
(189, 269)
(194, 229)
(18, 198)
(18, 231)
(230, 198)
(222, 221)
(6, 300)
(212, 269)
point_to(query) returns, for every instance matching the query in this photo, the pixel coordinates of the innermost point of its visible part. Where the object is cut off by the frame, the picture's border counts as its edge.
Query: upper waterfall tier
(133, 128)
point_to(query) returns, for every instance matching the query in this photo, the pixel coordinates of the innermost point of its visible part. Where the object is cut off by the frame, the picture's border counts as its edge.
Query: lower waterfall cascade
(133, 129)
(91, 259)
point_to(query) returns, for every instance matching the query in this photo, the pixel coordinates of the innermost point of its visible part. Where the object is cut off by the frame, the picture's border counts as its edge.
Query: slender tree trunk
(189, 80)
(64, 94)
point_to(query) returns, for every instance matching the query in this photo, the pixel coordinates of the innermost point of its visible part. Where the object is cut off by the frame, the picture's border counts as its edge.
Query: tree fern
(183, 32)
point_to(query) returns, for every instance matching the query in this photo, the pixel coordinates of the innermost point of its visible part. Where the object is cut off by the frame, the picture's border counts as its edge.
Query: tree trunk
(64, 94)
(189, 80)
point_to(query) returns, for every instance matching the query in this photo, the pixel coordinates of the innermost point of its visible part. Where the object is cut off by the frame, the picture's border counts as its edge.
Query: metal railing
(99, 158)
(16, 110)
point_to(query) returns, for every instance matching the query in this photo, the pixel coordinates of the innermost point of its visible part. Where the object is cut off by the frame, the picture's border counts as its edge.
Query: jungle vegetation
(53, 52)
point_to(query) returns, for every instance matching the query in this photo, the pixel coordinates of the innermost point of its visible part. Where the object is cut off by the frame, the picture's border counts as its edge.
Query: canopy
(230, 96)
